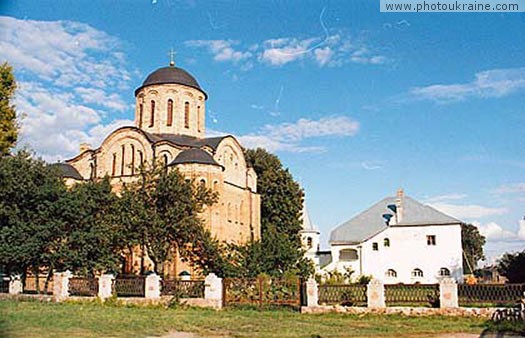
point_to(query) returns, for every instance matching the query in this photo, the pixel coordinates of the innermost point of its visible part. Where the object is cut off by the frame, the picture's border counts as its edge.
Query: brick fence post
(15, 285)
(152, 286)
(61, 285)
(312, 293)
(375, 293)
(105, 284)
(213, 290)
(448, 293)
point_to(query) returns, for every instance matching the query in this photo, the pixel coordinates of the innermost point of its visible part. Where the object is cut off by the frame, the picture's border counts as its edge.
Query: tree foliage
(161, 211)
(472, 243)
(279, 250)
(8, 124)
(512, 266)
(29, 193)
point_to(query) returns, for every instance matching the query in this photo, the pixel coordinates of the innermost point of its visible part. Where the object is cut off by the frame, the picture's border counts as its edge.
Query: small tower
(170, 101)
(309, 235)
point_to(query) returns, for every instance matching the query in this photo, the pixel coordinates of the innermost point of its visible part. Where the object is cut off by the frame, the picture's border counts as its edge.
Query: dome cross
(171, 54)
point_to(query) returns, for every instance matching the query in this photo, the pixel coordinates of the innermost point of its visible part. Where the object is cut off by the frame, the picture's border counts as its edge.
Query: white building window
(391, 273)
(375, 246)
(348, 255)
(431, 240)
(386, 242)
(444, 272)
(309, 242)
(417, 273)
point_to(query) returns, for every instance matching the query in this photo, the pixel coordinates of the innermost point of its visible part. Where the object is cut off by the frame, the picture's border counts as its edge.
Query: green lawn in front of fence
(39, 319)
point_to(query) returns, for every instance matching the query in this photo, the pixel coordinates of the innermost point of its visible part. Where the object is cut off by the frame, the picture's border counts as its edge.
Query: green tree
(88, 238)
(472, 243)
(281, 207)
(512, 266)
(163, 213)
(8, 124)
(29, 193)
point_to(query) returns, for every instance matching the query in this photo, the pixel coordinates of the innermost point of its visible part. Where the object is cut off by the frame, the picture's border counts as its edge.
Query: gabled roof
(194, 155)
(371, 221)
(66, 170)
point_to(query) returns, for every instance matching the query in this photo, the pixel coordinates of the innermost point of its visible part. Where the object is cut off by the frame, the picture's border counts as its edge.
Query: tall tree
(88, 223)
(8, 124)
(29, 192)
(281, 208)
(165, 214)
(512, 266)
(472, 242)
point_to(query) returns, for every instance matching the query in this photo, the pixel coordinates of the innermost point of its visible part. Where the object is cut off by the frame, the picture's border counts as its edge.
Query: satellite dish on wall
(387, 218)
(392, 207)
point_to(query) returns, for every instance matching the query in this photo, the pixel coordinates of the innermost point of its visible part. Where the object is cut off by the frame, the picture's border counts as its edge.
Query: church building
(170, 112)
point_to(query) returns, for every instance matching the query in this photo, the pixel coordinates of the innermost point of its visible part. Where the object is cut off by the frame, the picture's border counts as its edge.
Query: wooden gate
(262, 291)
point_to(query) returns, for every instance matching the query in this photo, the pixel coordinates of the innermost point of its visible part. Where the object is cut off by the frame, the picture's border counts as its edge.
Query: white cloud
(288, 136)
(490, 83)
(333, 50)
(69, 77)
(446, 197)
(511, 188)
(470, 211)
(221, 49)
(496, 233)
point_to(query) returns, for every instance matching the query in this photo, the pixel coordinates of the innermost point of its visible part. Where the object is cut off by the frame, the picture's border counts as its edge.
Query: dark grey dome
(66, 170)
(171, 75)
(194, 155)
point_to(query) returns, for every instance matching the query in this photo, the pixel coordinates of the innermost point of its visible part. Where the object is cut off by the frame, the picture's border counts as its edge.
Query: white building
(398, 240)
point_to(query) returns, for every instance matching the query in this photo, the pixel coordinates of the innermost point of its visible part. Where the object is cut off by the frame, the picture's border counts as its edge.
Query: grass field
(38, 319)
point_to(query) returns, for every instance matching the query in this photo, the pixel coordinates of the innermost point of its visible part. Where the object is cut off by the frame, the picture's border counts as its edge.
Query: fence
(490, 294)
(261, 291)
(343, 294)
(183, 288)
(81, 286)
(412, 294)
(34, 284)
(130, 286)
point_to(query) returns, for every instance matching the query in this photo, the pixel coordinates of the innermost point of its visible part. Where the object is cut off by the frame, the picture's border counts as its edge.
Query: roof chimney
(399, 205)
(84, 147)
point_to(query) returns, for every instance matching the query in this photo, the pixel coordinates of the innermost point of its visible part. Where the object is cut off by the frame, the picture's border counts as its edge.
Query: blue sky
(357, 103)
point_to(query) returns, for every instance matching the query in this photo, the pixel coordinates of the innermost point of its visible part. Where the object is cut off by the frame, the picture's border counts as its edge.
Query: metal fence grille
(30, 285)
(343, 294)
(4, 285)
(261, 291)
(412, 294)
(81, 286)
(490, 294)
(183, 288)
(130, 286)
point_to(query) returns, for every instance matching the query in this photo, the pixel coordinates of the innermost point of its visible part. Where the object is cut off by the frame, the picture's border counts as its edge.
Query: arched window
(141, 110)
(141, 159)
(386, 242)
(165, 160)
(132, 159)
(417, 273)
(348, 255)
(391, 273)
(186, 114)
(152, 115)
(229, 212)
(215, 185)
(92, 170)
(170, 113)
(202, 182)
(309, 242)
(114, 164)
(198, 118)
(444, 272)
(122, 162)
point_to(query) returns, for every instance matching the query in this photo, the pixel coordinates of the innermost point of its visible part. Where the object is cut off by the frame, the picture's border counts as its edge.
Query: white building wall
(408, 250)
